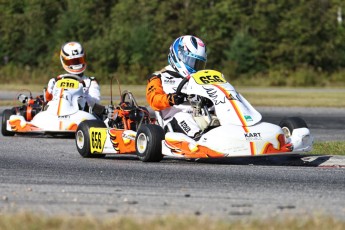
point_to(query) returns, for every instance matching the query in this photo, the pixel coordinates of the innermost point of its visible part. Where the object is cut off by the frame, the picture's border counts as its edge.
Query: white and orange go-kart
(61, 115)
(229, 123)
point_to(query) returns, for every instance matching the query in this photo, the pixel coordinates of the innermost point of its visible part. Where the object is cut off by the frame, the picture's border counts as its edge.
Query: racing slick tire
(82, 138)
(5, 116)
(148, 143)
(290, 123)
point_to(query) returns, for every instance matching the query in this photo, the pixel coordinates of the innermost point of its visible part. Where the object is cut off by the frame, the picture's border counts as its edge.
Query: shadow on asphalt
(281, 160)
(46, 136)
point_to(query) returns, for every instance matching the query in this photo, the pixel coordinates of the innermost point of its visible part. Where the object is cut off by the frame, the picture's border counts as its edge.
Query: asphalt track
(47, 175)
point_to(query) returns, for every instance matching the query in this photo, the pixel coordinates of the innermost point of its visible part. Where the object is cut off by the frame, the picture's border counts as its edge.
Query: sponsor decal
(169, 80)
(185, 126)
(130, 137)
(65, 117)
(151, 89)
(212, 93)
(253, 136)
(248, 118)
(75, 52)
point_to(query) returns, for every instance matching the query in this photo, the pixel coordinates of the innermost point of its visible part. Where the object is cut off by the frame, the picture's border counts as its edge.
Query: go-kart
(230, 127)
(61, 115)
(117, 133)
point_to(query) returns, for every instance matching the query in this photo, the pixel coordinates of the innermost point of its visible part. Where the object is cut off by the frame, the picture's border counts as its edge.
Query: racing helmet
(187, 55)
(72, 57)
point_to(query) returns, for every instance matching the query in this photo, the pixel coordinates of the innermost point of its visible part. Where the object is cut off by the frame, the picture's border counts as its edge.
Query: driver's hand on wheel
(176, 99)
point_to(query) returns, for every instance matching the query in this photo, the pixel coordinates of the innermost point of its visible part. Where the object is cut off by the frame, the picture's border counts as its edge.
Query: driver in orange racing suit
(187, 55)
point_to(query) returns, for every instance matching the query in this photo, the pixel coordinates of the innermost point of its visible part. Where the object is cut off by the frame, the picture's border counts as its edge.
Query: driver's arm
(93, 92)
(155, 95)
(49, 90)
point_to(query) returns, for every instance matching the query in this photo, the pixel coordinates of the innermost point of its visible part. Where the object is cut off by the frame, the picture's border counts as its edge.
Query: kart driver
(187, 55)
(72, 57)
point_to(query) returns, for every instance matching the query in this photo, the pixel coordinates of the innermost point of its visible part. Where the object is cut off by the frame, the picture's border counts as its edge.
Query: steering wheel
(72, 76)
(182, 83)
(131, 100)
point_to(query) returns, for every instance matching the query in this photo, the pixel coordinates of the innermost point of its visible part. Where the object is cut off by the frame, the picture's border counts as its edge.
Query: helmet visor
(74, 61)
(195, 62)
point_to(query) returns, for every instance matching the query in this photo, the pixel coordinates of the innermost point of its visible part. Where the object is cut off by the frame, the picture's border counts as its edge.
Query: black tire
(290, 123)
(6, 116)
(82, 138)
(148, 143)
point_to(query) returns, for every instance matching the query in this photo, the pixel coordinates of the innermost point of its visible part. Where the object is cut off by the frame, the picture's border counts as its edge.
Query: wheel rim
(80, 139)
(286, 131)
(142, 143)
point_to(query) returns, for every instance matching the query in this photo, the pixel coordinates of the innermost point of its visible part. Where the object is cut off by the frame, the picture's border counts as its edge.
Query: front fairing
(62, 113)
(231, 107)
(66, 94)
(50, 122)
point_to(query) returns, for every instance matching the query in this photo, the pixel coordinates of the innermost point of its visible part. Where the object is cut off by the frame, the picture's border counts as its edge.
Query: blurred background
(253, 42)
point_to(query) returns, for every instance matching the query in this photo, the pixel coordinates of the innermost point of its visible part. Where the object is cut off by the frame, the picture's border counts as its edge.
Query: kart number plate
(97, 139)
(206, 77)
(68, 83)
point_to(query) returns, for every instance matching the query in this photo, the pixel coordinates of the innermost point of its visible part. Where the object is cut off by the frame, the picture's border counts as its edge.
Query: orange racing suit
(159, 94)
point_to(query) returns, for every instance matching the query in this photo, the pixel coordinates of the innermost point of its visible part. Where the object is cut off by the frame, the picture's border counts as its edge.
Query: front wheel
(5, 117)
(148, 143)
(290, 123)
(82, 138)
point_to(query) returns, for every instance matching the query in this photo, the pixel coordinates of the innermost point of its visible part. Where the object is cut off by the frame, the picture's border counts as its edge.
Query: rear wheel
(290, 123)
(148, 143)
(82, 138)
(6, 116)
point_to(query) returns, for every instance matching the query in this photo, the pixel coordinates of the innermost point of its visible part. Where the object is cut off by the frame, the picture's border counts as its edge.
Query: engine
(31, 106)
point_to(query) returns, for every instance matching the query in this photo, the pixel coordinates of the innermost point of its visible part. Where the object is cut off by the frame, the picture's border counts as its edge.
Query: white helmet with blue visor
(187, 55)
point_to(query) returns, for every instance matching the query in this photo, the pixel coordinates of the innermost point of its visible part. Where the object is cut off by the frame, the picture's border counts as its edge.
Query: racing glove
(176, 99)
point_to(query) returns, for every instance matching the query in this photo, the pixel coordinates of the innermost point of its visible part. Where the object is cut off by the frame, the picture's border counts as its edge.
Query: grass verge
(29, 221)
(329, 148)
(274, 96)
(286, 98)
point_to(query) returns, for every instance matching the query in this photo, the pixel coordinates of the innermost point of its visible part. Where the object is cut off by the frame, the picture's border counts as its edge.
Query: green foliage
(305, 76)
(243, 53)
(302, 76)
(286, 42)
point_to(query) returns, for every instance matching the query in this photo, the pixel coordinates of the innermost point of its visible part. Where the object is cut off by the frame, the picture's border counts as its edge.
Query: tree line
(275, 40)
